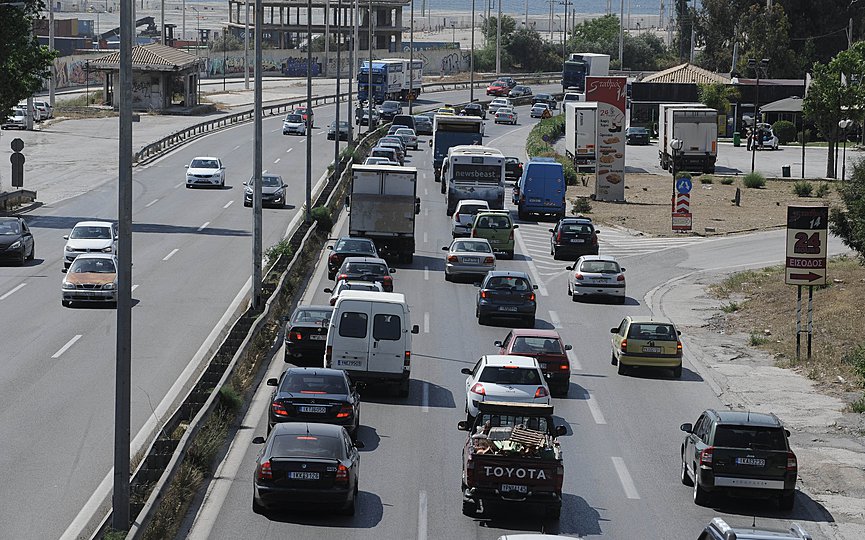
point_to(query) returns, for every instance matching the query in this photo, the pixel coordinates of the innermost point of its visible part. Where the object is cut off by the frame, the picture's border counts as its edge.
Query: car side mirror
(66, 237)
(462, 425)
(64, 270)
(186, 166)
(561, 430)
(445, 248)
(415, 329)
(623, 269)
(679, 332)
(330, 248)
(430, 143)
(614, 330)
(347, 201)
(466, 371)
(552, 230)
(597, 231)
(687, 428)
(358, 444)
(787, 432)
(569, 347)
(272, 382)
(569, 267)
(245, 183)
(328, 290)
(516, 226)
(477, 283)
(497, 343)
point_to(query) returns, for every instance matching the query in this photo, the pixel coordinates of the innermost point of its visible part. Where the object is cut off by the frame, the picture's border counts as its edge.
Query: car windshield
(750, 437)
(493, 222)
(536, 345)
(92, 266)
(310, 383)
(91, 232)
(296, 118)
(365, 268)
(600, 267)
(354, 246)
(271, 181)
(510, 375)
(376, 160)
(383, 152)
(320, 316)
(10, 226)
(390, 105)
(542, 96)
(637, 131)
(307, 446)
(517, 284)
(537, 423)
(357, 286)
(204, 164)
(471, 247)
(652, 331)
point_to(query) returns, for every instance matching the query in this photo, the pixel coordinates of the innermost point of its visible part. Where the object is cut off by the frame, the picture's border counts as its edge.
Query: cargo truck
(581, 133)
(382, 207)
(392, 78)
(697, 127)
(578, 66)
(449, 131)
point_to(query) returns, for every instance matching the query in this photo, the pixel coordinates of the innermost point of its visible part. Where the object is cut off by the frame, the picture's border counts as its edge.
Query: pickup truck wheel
(686, 478)
(701, 496)
(470, 508)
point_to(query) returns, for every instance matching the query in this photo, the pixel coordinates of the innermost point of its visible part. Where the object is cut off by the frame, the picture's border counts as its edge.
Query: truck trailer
(392, 78)
(581, 134)
(697, 127)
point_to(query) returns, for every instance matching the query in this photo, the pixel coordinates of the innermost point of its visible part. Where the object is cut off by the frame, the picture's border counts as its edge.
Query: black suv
(513, 168)
(474, 109)
(739, 453)
(545, 98)
(718, 529)
(389, 109)
(573, 237)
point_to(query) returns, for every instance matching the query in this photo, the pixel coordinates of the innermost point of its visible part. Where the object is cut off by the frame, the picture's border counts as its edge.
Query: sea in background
(542, 7)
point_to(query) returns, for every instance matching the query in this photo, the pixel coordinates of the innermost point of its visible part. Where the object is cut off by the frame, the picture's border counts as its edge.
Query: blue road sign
(683, 185)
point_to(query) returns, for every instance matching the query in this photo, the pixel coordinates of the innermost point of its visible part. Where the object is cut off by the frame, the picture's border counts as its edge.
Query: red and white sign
(806, 245)
(682, 217)
(610, 94)
(682, 222)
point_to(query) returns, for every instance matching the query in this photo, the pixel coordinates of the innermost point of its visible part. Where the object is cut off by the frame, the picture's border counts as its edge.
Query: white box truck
(697, 127)
(382, 207)
(581, 134)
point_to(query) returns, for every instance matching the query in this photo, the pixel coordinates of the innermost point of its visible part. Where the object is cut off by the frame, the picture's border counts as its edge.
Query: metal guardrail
(15, 198)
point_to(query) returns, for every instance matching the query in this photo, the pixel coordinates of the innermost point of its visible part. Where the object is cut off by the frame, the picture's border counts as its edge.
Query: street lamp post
(758, 67)
(472, 58)
(844, 125)
(499, 41)
(676, 145)
(454, 32)
(197, 53)
(411, 63)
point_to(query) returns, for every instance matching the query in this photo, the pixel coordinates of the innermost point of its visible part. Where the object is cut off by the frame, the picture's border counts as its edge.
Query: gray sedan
(472, 256)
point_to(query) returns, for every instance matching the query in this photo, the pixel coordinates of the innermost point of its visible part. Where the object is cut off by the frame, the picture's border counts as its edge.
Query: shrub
(856, 359)
(727, 181)
(754, 180)
(581, 205)
(808, 136)
(283, 248)
(732, 307)
(785, 131)
(756, 340)
(706, 180)
(322, 215)
(803, 188)
(822, 190)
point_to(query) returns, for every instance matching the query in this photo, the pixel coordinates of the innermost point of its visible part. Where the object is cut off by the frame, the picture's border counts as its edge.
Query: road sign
(17, 144)
(683, 204)
(807, 236)
(684, 185)
(682, 222)
(17, 160)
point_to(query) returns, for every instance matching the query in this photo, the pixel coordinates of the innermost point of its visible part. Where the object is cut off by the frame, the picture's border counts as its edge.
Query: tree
(765, 34)
(228, 42)
(531, 53)
(717, 96)
(490, 27)
(600, 35)
(645, 52)
(716, 32)
(23, 62)
(849, 223)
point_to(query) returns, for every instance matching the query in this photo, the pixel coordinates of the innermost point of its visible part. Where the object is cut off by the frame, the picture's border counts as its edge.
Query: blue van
(541, 189)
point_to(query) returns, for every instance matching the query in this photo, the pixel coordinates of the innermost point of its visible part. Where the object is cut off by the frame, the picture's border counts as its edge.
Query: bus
(474, 172)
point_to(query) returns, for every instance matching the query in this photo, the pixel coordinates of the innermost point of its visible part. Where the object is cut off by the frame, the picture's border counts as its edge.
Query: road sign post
(682, 219)
(17, 160)
(807, 235)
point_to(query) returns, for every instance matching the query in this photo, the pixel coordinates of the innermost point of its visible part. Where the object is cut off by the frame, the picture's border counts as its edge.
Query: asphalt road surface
(622, 445)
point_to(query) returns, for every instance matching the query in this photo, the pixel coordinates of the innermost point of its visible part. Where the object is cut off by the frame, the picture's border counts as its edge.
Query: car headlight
(15, 245)
(279, 191)
(68, 248)
(67, 286)
(248, 191)
(109, 249)
(108, 286)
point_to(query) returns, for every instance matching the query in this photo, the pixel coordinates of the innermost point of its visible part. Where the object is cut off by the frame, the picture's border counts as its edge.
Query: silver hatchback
(468, 256)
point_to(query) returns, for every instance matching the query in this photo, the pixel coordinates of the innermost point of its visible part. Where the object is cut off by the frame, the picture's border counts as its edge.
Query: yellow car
(446, 111)
(646, 342)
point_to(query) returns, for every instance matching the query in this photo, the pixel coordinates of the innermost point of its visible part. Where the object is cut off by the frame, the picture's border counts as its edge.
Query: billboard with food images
(610, 93)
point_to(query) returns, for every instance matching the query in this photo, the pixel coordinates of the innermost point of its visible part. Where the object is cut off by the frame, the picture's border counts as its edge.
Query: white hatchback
(499, 103)
(497, 377)
(350, 285)
(408, 136)
(596, 275)
(205, 171)
(464, 216)
(89, 237)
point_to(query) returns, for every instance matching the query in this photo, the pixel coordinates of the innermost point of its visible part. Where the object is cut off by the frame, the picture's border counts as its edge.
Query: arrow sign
(683, 185)
(810, 276)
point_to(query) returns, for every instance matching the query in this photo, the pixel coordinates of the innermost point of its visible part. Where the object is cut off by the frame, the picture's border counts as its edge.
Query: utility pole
(621, 34)
(162, 22)
(246, 50)
(326, 35)
(411, 61)
(693, 32)
(472, 59)
(52, 81)
(338, 131)
(526, 22)
(499, 41)
(257, 165)
(183, 17)
(308, 216)
(123, 354)
(369, 93)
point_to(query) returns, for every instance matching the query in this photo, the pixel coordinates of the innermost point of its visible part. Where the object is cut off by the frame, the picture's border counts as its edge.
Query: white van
(370, 338)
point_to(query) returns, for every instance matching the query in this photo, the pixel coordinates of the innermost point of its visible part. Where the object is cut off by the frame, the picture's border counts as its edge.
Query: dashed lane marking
(8, 294)
(65, 348)
(151, 203)
(625, 478)
(171, 254)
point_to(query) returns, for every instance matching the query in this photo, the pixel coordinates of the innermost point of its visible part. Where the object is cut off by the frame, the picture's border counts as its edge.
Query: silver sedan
(472, 256)
(597, 275)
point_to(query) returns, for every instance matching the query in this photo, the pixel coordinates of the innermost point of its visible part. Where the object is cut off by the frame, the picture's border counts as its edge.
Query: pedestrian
(749, 137)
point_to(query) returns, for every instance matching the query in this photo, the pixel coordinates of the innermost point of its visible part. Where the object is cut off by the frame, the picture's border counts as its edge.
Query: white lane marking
(289, 150)
(594, 409)
(277, 161)
(421, 516)
(424, 237)
(151, 203)
(426, 323)
(425, 191)
(236, 147)
(532, 269)
(173, 251)
(8, 294)
(178, 185)
(229, 203)
(554, 320)
(575, 362)
(134, 287)
(64, 348)
(625, 478)
(206, 223)
(424, 399)
(425, 275)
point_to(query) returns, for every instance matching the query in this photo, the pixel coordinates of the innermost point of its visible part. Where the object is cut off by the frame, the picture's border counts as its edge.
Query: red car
(498, 88)
(307, 115)
(546, 346)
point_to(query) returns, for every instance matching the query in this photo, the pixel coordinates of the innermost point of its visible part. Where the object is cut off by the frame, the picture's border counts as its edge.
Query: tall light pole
(308, 216)
(337, 132)
(183, 18)
(621, 35)
(162, 22)
(326, 34)
(499, 41)
(52, 80)
(411, 62)
(758, 67)
(257, 165)
(369, 93)
(844, 125)
(198, 52)
(472, 57)
(246, 50)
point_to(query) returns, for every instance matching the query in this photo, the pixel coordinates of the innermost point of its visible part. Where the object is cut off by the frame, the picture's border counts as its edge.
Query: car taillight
(511, 234)
(406, 362)
(792, 463)
(328, 355)
(541, 392)
(478, 388)
(457, 217)
(594, 239)
(341, 474)
(624, 345)
(564, 367)
(474, 233)
(531, 297)
(265, 472)
(559, 236)
(296, 336)
(489, 260)
(620, 277)
(341, 276)
(483, 294)
(578, 276)
(334, 258)
(278, 409)
(678, 348)
(344, 412)
(706, 457)
(453, 258)
(470, 472)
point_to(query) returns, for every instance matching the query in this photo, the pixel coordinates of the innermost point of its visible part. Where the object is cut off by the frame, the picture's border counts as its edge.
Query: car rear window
(508, 375)
(472, 247)
(311, 316)
(536, 345)
(517, 284)
(386, 326)
(600, 267)
(307, 446)
(652, 331)
(574, 228)
(352, 324)
(471, 209)
(493, 222)
(301, 383)
(354, 246)
(294, 118)
(366, 268)
(757, 437)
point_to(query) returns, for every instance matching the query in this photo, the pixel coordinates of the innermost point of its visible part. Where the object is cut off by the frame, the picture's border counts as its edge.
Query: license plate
(756, 462)
(508, 488)
(303, 475)
(507, 308)
(535, 200)
(494, 241)
(652, 349)
(315, 410)
(316, 337)
(473, 260)
(348, 363)
(577, 240)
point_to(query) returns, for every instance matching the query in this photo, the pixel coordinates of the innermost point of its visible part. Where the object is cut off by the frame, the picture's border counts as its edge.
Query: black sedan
(348, 246)
(306, 333)
(343, 131)
(367, 269)
(637, 135)
(545, 98)
(513, 168)
(423, 124)
(314, 395)
(507, 294)
(474, 109)
(16, 240)
(389, 109)
(573, 237)
(304, 463)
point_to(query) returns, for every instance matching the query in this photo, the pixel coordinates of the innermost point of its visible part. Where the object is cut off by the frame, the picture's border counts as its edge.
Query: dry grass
(765, 303)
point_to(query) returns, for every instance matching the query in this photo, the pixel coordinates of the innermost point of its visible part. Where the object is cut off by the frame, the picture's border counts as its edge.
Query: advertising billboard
(610, 94)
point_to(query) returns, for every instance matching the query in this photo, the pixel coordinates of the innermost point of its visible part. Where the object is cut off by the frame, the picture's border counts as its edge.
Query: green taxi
(646, 342)
(498, 228)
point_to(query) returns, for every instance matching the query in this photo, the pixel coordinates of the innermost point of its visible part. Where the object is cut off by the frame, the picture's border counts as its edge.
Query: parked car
(498, 88)
(637, 135)
(314, 394)
(464, 216)
(16, 119)
(348, 246)
(423, 125)
(307, 114)
(306, 463)
(89, 237)
(474, 109)
(34, 111)
(366, 269)
(45, 108)
(92, 277)
(16, 240)
(520, 91)
(718, 529)
(272, 191)
(545, 98)
(766, 138)
(597, 275)
(739, 453)
(506, 115)
(389, 109)
(646, 342)
(507, 294)
(513, 168)
(343, 130)
(498, 103)
(408, 136)
(349, 285)
(539, 110)
(545, 346)
(305, 334)
(205, 171)
(573, 237)
(500, 378)
(468, 256)
(497, 227)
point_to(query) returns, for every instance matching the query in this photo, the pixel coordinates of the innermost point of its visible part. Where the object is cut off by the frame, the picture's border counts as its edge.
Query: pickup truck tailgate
(516, 476)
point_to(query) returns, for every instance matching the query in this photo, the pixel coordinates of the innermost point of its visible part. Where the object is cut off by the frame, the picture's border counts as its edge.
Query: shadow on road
(368, 514)
(805, 509)
(421, 394)
(65, 223)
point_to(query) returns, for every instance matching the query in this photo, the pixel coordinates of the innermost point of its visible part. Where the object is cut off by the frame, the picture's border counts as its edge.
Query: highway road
(192, 250)
(622, 446)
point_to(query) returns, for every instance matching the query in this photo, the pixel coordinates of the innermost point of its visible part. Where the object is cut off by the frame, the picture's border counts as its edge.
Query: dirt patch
(648, 205)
